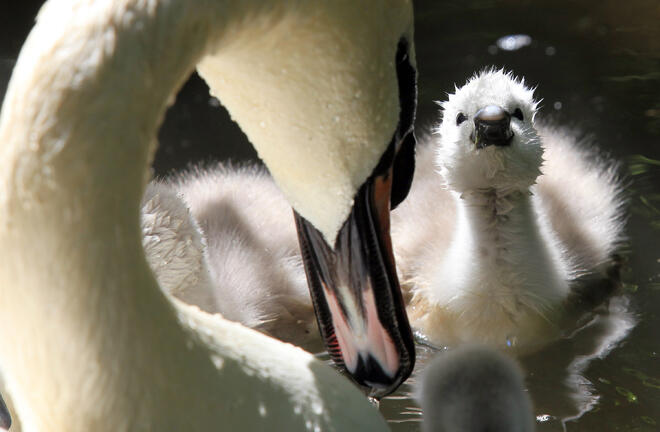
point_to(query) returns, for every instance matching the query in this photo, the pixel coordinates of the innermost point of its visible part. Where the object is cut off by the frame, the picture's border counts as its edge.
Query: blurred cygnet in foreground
(474, 389)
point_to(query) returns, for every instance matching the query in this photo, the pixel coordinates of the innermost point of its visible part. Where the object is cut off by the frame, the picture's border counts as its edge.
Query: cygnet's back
(581, 195)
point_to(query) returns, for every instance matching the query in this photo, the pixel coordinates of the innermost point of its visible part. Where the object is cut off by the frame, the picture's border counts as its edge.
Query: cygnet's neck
(492, 222)
(501, 253)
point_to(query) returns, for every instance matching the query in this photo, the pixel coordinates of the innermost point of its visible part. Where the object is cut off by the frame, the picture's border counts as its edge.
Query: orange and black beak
(353, 283)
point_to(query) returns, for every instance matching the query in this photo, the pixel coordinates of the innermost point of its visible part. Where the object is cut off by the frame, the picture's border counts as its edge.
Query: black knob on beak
(492, 126)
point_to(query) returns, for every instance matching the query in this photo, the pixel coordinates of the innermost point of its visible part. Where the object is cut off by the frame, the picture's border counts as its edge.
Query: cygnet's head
(487, 136)
(474, 389)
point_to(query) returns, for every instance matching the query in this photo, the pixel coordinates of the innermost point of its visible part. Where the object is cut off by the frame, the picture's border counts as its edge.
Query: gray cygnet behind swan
(474, 389)
(224, 239)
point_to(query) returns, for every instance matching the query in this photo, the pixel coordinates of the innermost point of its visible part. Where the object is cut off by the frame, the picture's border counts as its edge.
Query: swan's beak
(355, 289)
(353, 283)
(492, 126)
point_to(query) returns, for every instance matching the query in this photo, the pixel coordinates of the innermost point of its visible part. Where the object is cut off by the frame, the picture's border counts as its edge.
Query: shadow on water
(597, 67)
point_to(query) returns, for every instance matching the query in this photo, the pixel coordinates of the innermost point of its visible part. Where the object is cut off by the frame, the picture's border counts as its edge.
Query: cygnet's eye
(460, 118)
(518, 114)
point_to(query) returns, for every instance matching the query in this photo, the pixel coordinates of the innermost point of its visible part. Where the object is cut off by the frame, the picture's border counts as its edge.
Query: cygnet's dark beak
(492, 126)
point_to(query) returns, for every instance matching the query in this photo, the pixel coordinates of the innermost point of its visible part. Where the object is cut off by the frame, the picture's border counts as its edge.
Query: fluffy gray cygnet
(474, 389)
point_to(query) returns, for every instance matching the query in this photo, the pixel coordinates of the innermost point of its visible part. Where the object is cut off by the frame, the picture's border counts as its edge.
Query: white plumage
(492, 241)
(224, 240)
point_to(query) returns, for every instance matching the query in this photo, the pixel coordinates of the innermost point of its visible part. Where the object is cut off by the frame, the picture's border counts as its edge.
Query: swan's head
(487, 136)
(328, 100)
(324, 90)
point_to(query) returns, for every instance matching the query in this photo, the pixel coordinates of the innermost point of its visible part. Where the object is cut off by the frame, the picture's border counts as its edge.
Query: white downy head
(510, 168)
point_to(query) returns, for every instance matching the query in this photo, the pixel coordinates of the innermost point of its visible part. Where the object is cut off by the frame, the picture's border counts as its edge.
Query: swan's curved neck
(79, 301)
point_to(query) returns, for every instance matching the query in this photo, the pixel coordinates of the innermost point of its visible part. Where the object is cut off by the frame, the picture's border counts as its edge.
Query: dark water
(597, 68)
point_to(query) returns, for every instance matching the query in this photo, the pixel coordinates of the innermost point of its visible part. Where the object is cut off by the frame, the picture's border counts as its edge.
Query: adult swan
(325, 92)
